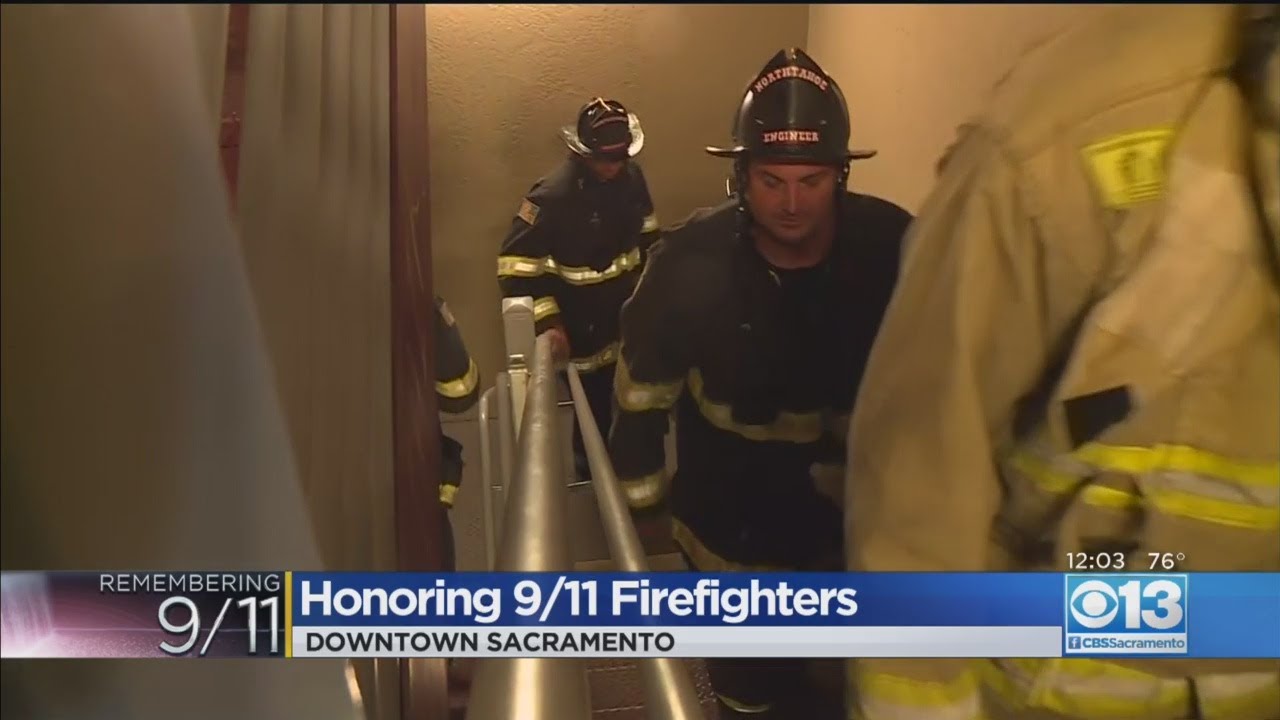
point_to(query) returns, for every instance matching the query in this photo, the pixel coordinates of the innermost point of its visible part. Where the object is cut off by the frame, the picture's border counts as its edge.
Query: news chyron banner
(617, 615)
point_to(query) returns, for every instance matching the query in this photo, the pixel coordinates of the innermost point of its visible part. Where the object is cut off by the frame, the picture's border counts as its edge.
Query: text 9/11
(191, 627)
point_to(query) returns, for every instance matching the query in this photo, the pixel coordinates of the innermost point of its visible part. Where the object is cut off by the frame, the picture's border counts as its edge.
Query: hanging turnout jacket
(1083, 360)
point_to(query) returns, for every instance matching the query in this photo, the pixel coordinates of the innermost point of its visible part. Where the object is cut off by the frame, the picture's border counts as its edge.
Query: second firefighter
(753, 321)
(577, 246)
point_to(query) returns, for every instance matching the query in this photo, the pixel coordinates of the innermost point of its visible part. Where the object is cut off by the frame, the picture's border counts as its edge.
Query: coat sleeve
(649, 378)
(457, 379)
(525, 265)
(981, 299)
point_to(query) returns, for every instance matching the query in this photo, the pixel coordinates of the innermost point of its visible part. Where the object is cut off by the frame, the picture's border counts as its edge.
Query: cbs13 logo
(1126, 603)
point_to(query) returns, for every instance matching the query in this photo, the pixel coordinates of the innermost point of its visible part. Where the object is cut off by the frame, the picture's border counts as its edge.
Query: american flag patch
(446, 315)
(528, 212)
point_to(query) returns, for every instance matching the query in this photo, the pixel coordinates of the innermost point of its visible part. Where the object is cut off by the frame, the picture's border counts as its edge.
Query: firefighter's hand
(559, 344)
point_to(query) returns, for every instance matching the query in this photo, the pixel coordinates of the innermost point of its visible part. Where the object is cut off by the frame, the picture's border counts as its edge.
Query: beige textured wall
(912, 73)
(503, 79)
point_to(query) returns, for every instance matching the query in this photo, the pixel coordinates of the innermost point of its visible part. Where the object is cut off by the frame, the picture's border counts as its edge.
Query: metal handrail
(669, 691)
(487, 513)
(535, 538)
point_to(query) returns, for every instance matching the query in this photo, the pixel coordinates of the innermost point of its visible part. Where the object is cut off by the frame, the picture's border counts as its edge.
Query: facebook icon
(1126, 614)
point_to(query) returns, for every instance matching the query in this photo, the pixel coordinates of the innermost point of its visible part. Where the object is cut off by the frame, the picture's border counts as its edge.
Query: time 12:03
(1095, 561)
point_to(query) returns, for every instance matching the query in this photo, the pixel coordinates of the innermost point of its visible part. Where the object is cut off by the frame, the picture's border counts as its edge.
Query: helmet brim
(569, 134)
(738, 151)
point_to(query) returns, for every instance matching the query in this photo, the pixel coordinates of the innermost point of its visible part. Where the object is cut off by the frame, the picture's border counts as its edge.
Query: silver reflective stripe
(645, 491)
(462, 386)
(789, 427)
(1239, 696)
(545, 307)
(606, 356)
(641, 396)
(517, 266)
(1176, 480)
(586, 276)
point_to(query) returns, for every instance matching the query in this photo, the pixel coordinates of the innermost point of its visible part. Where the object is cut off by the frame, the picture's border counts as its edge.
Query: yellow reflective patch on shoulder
(446, 315)
(650, 223)
(1129, 169)
(528, 212)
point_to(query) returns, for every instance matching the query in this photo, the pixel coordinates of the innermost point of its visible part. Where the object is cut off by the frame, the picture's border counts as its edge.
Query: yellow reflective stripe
(1174, 479)
(621, 265)
(1085, 688)
(460, 387)
(1058, 482)
(745, 708)
(605, 356)
(650, 223)
(638, 397)
(787, 427)
(1082, 688)
(1217, 511)
(545, 307)
(447, 493)
(706, 560)
(520, 266)
(1178, 458)
(528, 267)
(644, 491)
(894, 696)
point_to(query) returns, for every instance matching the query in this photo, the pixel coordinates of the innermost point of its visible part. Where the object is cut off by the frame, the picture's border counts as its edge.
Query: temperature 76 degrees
(1165, 561)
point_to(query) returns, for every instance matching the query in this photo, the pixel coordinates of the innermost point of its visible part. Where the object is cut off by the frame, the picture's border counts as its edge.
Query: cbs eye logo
(1096, 604)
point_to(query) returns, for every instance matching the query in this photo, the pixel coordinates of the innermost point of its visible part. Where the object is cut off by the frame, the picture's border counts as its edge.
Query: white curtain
(314, 194)
(314, 204)
(141, 429)
(209, 31)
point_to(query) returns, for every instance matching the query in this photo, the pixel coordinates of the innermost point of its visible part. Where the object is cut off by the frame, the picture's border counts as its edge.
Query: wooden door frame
(415, 421)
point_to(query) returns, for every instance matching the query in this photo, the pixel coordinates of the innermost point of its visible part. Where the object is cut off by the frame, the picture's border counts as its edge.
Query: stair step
(617, 689)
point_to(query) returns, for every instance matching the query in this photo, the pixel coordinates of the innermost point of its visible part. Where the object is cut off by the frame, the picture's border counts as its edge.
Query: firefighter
(577, 246)
(457, 389)
(746, 324)
(1082, 357)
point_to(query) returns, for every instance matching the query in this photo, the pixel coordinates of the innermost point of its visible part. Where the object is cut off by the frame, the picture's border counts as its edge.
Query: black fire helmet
(793, 111)
(605, 131)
